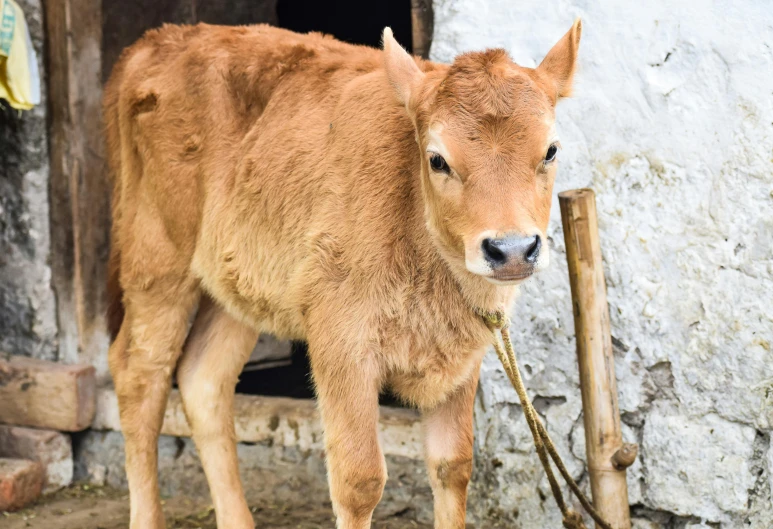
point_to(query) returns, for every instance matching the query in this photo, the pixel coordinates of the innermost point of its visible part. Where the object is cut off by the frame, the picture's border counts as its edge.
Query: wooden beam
(607, 456)
(422, 22)
(80, 213)
(46, 394)
(281, 421)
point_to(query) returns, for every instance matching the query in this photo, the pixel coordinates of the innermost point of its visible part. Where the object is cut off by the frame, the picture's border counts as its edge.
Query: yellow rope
(498, 321)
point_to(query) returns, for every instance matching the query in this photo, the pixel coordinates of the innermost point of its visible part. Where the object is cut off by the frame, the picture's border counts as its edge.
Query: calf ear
(403, 73)
(559, 64)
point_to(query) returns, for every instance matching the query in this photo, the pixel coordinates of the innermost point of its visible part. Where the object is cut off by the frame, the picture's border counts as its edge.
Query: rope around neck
(498, 321)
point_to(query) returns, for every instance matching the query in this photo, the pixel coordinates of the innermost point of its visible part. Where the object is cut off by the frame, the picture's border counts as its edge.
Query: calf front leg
(448, 446)
(348, 399)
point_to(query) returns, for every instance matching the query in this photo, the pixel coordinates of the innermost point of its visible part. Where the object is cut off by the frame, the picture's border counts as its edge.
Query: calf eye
(439, 164)
(551, 154)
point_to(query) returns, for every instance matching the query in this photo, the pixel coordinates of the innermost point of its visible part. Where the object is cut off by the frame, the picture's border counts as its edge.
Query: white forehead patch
(550, 121)
(435, 143)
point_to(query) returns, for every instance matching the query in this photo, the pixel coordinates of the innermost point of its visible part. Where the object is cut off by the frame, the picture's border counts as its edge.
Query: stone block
(21, 481)
(697, 466)
(51, 448)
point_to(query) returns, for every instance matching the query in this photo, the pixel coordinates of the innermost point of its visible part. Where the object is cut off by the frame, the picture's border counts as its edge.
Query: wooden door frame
(422, 25)
(79, 191)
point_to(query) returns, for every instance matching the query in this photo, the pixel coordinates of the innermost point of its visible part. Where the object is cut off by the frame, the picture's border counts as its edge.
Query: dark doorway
(352, 21)
(291, 378)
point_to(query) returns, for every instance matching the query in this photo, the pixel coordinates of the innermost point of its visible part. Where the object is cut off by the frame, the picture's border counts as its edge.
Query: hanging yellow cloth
(19, 78)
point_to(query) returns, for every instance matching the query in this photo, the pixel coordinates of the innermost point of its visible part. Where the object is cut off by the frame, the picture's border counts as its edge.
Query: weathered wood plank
(269, 352)
(423, 23)
(279, 420)
(46, 394)
(80, 217)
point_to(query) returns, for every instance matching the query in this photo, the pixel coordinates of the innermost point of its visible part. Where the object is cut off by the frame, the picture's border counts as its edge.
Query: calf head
(489, 150)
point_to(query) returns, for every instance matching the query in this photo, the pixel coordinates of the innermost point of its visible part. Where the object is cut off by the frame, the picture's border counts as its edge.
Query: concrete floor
(87, 507)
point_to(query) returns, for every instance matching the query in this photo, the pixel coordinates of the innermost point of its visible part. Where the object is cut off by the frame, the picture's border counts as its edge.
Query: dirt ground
(88, 507)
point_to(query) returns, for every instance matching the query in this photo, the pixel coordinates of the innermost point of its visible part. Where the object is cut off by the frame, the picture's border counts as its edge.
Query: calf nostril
(492, 252)
(533, 252)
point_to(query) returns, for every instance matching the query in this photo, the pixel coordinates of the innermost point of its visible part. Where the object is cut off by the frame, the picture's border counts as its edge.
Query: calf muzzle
(512, 257)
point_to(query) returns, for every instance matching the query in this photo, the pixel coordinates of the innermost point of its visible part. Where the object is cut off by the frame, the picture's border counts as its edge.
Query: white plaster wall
(672, 126)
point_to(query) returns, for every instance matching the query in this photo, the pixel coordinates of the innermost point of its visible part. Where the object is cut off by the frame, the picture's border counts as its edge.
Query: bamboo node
(573, 520)
(625, 456)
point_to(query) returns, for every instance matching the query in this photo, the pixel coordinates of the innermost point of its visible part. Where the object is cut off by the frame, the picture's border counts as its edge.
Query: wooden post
(607, 456)
(422, 22)
(80, 212)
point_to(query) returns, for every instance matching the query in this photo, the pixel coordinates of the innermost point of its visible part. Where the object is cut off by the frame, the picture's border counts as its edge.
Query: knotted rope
(498, 321)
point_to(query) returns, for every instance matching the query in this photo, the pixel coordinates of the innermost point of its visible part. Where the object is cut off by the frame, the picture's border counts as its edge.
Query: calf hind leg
(217, 348)
(142, 360)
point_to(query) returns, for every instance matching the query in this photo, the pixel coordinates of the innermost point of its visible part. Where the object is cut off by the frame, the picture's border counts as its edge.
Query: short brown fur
(266, 181)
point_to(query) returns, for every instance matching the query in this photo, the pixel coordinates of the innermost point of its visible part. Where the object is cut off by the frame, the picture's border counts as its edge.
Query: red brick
(21, 481)
(51, 448)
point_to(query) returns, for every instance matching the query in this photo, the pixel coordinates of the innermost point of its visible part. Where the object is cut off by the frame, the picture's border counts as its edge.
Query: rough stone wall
(672, 125)
(27, 304)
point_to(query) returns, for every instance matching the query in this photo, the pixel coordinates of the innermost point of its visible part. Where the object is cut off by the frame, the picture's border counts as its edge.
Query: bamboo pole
(607, 456)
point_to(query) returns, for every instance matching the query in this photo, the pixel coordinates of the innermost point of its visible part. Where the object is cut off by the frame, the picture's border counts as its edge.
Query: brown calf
(363, 200)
